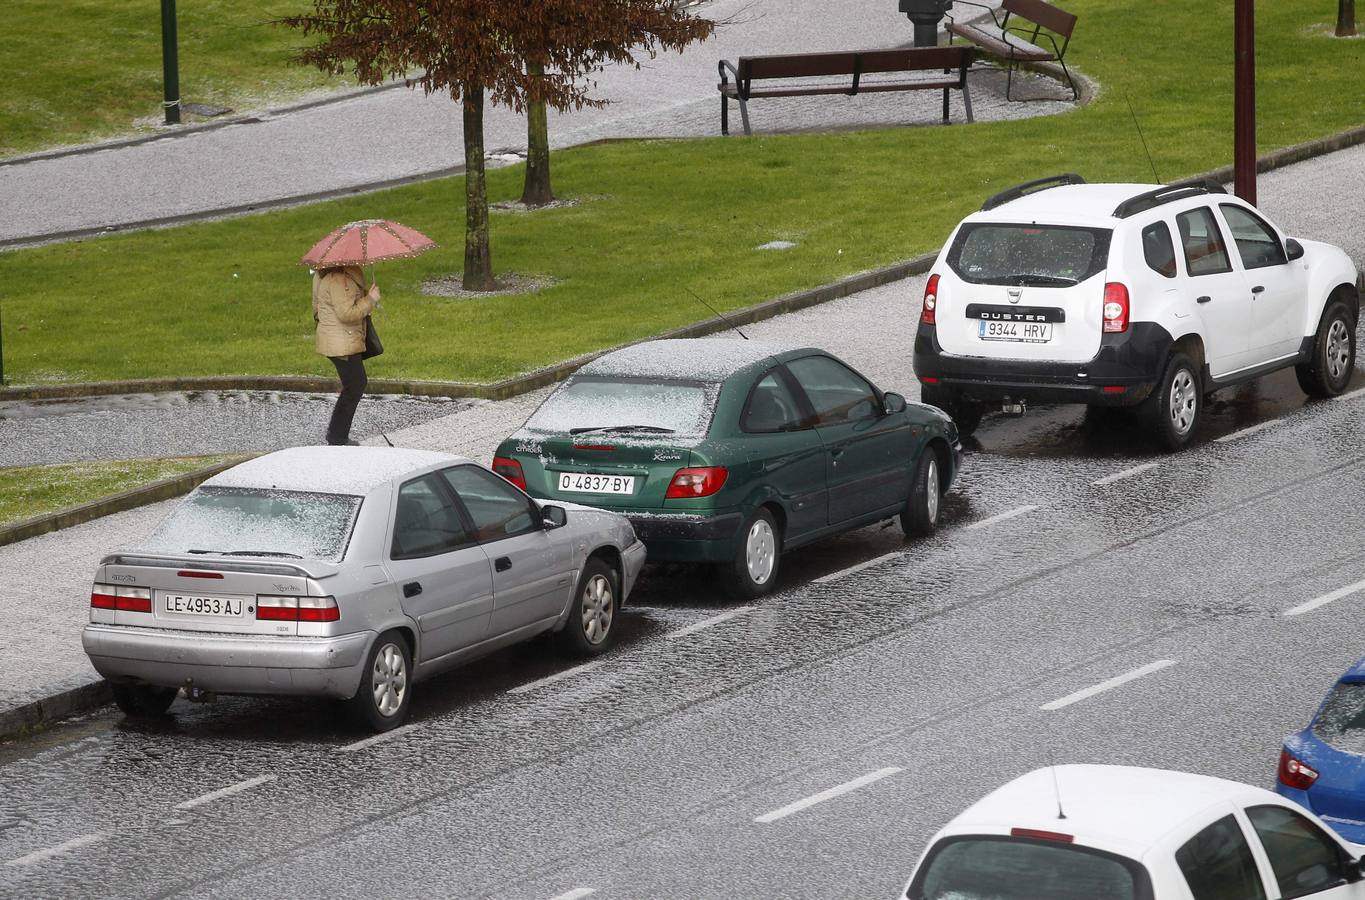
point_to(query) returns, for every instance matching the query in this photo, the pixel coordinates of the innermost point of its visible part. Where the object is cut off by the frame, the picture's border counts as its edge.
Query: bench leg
(1075, 91)
(724, 114)
(945, 106)
(967, 100)
(1009, 79)
(744, 115)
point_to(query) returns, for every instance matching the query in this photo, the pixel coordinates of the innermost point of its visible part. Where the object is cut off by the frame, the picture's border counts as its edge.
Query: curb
(53, 708)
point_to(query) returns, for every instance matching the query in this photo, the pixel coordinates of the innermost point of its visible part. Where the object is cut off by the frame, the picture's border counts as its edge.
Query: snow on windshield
(630, 405)
(1048, 255)
(259, 523)
(684, 359)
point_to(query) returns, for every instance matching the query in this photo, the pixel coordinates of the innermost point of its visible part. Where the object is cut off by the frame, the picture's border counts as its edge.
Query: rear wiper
(652, 429)
(246, 553)
(1022, 278)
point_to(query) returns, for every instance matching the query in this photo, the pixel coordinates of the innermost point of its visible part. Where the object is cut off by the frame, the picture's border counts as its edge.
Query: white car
(1080, 832)
(1058, 291)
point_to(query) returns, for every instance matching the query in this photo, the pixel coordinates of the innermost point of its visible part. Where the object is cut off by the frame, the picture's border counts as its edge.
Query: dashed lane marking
(551, 679)
(1126, 473)
(378, 738)
(1108, 685)
(846, 788)
(44, 855)
(835, 576)
(1002, 517)
(225, 792)
(707, 623)
(1246, 431)
(1326, 599)
(575, 894)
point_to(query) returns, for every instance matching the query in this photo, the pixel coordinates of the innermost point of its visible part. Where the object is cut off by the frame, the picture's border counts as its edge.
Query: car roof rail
(1167, 193)
(1031, 187)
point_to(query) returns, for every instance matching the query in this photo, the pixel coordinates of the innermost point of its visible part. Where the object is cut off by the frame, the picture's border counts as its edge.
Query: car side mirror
(893, 403)
(1293, 249)
(553, 517)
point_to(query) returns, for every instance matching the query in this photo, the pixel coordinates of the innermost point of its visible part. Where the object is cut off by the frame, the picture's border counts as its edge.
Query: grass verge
(665, 217)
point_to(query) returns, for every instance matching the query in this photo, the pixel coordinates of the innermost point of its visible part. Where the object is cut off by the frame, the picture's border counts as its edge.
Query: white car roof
(1089, 205)
(329, 470)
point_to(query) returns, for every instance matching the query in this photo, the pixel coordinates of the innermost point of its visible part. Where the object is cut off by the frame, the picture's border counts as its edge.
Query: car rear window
(1000, 868)
(1341, 721)
(264, 523)
(1044, 255)
(628, 406)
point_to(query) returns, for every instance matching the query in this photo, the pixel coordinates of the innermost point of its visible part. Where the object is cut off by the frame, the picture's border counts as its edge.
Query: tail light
(1038, 835)
(929, 315)
(699, 482)
(510, 469)
(123, 599)
(1294, 773)
(297, 609)
(1115, 308)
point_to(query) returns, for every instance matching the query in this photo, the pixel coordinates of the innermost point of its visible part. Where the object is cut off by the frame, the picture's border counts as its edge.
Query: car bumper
(1123, 372)
(687, 537)
(632, 561)
(229, 664)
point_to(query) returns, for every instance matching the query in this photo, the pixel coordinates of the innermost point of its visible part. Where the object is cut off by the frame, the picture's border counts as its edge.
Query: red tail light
(510, 469)
(123, 599)
(1294, 773)
(1115, 308)
(700, 482)
(1042, 835)
(929, 315)
(297, 609)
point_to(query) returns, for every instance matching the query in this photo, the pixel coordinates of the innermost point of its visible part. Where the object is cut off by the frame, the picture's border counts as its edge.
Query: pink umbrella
(363, 243)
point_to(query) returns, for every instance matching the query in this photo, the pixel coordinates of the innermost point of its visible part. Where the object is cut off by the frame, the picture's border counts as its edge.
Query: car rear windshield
(638, 406)
(1042, 255)
(1000, 868)
(1341, 722)
(258, 523)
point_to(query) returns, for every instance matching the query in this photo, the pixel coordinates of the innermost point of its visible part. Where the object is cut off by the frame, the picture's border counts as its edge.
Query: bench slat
(796, 66)
(1052, 18)
(1001, 43)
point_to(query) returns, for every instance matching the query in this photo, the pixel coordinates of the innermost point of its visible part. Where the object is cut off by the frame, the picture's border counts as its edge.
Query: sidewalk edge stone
(54, 708)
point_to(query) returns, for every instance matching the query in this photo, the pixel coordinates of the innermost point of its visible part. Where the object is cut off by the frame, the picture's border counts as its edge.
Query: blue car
(1322, 767)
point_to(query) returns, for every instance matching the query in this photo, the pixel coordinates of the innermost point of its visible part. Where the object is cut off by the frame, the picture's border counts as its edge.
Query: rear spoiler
(306, 568)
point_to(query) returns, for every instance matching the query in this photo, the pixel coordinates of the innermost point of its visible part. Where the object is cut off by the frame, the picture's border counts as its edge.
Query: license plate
(203, 605)
(585, 483)
(1028, 332)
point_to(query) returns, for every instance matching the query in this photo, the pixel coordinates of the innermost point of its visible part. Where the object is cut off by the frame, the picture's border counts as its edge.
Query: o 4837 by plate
(589, 483)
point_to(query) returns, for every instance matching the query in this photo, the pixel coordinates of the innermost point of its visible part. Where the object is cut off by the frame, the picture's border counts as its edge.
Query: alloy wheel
(1338, 349)
(390, 680)
(931, 487)
(1183, 401)
(760, 551)
(598, 604)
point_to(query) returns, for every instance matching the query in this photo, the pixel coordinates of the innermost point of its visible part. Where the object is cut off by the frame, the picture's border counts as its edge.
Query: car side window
(771, 407)
(1158, 249)
(498, 509)
(1205, 252)
(1304, 859)
(426, 522)
(1257, 243)
(838, 394)
(1218, 865)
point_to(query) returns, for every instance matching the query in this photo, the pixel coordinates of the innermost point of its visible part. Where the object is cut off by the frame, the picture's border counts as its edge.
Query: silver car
(353, 573)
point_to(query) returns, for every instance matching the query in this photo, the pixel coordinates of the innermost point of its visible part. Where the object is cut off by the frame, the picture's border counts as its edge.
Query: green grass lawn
(229, 298)
(28, 491)
(87, 69)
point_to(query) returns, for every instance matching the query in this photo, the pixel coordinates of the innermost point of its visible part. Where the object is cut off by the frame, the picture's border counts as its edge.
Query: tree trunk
(478, 263)
(1346, 18)
(537, 190)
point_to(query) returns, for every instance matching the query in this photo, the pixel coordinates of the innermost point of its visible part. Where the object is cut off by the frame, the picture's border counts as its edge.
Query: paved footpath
(49, 576)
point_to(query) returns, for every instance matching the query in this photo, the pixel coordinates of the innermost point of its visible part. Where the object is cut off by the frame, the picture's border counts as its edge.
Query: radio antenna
(1057, 790)
(386, 439)
(1132, 112)
(716, 311)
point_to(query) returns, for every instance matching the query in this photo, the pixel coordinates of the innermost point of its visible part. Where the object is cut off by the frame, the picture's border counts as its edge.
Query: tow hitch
(1015, 408)
(198, 695)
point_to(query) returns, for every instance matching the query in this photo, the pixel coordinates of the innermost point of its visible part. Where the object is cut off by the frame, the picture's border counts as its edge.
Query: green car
(733, 452)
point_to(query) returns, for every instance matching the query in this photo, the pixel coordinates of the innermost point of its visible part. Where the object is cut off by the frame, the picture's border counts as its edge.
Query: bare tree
(1346, 18)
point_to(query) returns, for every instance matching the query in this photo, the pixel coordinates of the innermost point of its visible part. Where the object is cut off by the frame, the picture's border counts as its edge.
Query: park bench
(1008, 42)
(810, 74)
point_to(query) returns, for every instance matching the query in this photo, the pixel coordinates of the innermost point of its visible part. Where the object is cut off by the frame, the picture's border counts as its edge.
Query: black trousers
(351, 370)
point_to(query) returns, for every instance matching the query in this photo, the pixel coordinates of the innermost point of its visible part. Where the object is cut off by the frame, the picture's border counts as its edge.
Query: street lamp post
(170, 63)
(1244, 102)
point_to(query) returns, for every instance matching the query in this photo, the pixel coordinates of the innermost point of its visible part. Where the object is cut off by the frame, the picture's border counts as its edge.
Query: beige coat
(340, 305)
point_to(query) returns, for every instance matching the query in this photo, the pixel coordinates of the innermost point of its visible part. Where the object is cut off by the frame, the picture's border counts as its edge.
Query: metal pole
(170, 63)
(2, 356)
(1244, 102)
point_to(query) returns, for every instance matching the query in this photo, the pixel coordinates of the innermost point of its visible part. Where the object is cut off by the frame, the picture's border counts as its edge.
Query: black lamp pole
(1244, 102)
(170, 63)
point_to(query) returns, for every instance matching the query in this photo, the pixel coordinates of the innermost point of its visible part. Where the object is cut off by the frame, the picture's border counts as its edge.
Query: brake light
(123, 599)
(196, 574)
(510, 469)
(698, 482)
(1115, 308)
(297, 609)
(929, 315)
(1295, 773)
(1042, 835)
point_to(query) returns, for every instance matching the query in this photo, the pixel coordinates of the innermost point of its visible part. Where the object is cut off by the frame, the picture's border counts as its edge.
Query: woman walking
(341, 304)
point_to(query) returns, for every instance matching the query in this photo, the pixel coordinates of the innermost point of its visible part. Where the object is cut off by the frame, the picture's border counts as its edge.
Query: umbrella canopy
(363, 243)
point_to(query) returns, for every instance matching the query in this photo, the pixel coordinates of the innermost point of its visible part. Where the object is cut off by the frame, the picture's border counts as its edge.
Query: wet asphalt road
(1071, 553)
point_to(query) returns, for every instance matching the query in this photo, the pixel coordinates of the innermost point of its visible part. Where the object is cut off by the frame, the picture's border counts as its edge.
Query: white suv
(1058, 291)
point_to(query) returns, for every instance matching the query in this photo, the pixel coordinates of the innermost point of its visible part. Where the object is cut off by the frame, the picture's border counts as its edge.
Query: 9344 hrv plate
(1026, 332)
(588, 483)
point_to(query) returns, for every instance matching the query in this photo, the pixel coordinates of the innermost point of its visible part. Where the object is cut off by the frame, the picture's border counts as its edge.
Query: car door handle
(1204, 299)
(1258, 289)
(502, 563)
(412, 589)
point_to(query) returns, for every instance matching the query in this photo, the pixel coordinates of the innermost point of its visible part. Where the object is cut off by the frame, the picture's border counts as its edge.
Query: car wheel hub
(390, 680)
(760, 550)
(598, 605)
(1338, 349)
(1183, 401)
(931, 488)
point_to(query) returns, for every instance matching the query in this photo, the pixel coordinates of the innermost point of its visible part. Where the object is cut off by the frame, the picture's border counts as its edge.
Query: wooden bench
(951, 62)
(1014, 45)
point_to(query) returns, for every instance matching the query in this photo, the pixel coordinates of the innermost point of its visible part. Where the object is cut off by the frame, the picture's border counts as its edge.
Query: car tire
(920, 516)
(381, 703)
(966, 414)
(1328, 370)
(1173, 410)
(757, 558)
(590, 629)
(143, 701)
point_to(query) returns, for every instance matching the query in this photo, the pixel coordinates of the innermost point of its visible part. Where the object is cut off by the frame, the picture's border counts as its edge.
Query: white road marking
(575, 894)
(38, 856)
(707, 623)
(1126, 473)
(835, 576)
(377, 739)
(1002, 517)
(845, 788)
(1326, 599)
(1246, 431)
(1108, 685)
(551, 679)
(225, 792)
